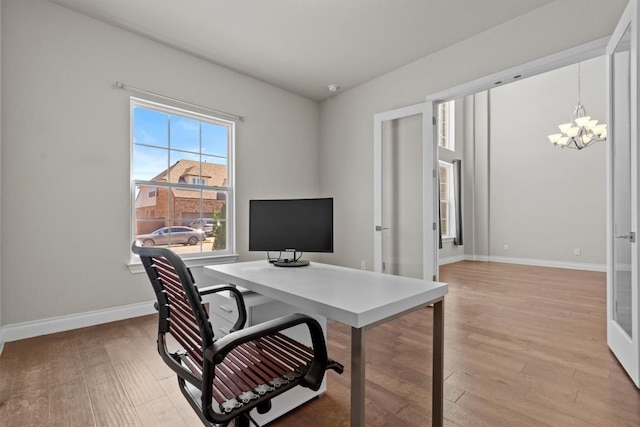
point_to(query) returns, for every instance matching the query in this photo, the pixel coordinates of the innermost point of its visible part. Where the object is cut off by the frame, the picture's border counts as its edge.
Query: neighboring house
(160, 206)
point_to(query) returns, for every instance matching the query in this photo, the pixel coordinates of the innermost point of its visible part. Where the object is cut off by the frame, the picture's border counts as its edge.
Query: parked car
(204, 224)
(177, 235)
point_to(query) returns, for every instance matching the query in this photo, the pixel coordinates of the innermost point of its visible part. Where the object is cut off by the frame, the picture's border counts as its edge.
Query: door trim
(429, 201)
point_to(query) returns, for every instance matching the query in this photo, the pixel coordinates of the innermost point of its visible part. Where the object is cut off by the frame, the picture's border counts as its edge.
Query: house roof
(215, 174)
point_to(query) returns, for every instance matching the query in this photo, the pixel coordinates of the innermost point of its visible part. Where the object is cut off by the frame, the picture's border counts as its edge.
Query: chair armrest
(242, 311)
(313, 378)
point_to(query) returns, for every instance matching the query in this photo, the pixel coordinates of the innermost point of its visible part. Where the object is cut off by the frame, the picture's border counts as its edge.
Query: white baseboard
(452, 259)
(553, 264)
(527, 261)
(52, 325)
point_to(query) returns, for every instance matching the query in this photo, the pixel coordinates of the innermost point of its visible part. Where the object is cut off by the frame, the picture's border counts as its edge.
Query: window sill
(137, 267)
(448, 239)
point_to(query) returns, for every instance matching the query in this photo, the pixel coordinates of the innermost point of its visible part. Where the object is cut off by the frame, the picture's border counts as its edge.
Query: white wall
(545, 202)
(476, 176)
(65, 154)
(346, 120)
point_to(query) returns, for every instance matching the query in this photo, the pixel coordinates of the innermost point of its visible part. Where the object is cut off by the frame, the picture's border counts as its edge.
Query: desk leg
(437, 403)
(357, 376)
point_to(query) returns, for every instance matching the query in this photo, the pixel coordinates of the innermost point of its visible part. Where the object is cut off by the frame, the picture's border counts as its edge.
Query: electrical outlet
(577, 251)
(506, 247)
(363, 265)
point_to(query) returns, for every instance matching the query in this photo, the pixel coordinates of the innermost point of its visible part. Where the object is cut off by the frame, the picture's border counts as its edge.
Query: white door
(405, 238)
(622, 156)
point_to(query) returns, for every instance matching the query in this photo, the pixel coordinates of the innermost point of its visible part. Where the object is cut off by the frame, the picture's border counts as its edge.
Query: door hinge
(434, 277)
(434, 119)
(434, 173)
(434, 225)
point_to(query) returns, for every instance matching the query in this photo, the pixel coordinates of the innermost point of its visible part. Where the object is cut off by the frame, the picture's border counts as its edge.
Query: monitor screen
(293, 225)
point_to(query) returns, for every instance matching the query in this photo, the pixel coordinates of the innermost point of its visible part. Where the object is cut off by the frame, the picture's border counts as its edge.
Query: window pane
(150, 127)
(148, 162)
(219, 232)
(445, 196)
(214, 140)
(215, 160)
(185, 134)
(446, 123)
(184, 166)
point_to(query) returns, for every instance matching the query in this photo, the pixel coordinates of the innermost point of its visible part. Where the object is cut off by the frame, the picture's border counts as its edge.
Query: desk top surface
(355, 297)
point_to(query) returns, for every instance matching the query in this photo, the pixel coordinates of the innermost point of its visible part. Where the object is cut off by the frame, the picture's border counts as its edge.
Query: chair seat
(256, 371)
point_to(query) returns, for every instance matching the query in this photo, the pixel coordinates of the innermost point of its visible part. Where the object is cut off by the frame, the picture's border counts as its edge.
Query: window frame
(193, 259)
(450, 201)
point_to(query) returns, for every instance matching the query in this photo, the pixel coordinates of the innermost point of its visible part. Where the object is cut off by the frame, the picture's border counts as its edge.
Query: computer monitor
(291, 225)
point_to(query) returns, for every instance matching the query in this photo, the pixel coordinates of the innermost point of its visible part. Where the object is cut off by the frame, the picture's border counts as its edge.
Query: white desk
(358, 298)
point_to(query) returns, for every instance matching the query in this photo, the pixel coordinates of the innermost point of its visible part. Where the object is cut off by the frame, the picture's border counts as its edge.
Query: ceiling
(305, 45)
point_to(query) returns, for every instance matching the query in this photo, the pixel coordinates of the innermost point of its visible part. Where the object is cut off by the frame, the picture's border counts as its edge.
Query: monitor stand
(291, 263)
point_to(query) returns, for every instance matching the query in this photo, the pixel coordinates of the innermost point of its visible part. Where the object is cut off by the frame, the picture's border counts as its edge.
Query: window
(181, 172)
(446, 125)
(447, 200)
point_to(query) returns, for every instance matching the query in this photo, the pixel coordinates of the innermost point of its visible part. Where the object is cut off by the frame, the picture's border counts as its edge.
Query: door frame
(429, 160)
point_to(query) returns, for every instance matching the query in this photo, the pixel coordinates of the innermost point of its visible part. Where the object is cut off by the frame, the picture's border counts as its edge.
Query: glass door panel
(621, 184)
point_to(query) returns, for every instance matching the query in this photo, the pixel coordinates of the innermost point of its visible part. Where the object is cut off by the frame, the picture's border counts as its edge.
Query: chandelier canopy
(581, 131)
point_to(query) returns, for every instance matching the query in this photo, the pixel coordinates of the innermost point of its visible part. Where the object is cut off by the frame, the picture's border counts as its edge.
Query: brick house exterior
(159, 207)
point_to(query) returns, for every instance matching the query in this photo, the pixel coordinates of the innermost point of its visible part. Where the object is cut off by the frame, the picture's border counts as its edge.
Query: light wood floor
(524, 346)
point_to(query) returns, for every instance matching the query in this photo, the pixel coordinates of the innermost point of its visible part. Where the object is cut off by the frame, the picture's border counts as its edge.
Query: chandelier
(581, 131)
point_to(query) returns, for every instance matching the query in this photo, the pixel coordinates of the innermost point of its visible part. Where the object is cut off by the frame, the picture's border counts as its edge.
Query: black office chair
(225, 378)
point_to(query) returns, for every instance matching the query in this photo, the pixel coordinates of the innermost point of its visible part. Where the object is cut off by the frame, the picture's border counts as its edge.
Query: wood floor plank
(138, 382)
(27, 407)
(178, 402)
(160, 413)
(111, 405)
(69, 404)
